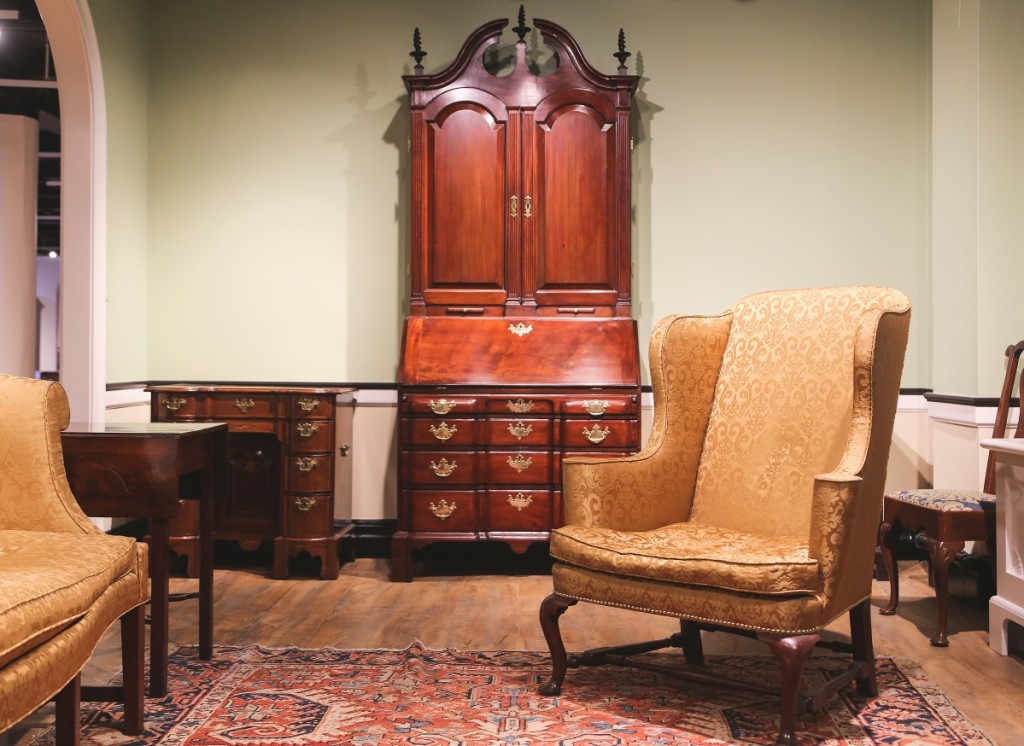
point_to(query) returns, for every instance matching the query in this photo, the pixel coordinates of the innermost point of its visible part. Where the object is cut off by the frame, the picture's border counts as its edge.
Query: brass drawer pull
(596, 408)
(443, 509)
(244, 404)
(174, 403)
(443, 469)
(519, 430)
(519, 463)
(307, 404)
(441, 406)
(305, 503)
(519, 501)
(443, 432)
(596, 434)
(306, 464)
(307, 429)
(520, 406)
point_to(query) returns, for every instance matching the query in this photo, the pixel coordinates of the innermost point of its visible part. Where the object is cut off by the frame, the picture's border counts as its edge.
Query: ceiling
(28, 87)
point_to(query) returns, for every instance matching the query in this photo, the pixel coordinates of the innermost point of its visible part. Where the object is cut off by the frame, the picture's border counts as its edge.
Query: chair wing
(655, 487)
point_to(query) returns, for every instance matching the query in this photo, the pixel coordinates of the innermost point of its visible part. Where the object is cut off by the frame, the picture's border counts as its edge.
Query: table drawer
(438, 432)
(441, 510)
(314, 473)
(518, 432)
(440, 468)
(518, 510)
(310, 436)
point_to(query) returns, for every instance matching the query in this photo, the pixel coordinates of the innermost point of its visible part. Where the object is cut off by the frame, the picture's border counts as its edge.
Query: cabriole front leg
(551, 609)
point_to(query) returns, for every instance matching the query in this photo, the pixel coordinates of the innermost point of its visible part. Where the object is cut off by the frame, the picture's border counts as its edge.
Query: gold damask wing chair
(754, 506)
(942, 521)
(63, 582)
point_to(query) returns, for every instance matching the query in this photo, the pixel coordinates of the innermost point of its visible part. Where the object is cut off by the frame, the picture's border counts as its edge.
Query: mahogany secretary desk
(519, 348)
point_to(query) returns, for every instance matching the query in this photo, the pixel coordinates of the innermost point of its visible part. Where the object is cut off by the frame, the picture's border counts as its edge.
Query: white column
(19, 166)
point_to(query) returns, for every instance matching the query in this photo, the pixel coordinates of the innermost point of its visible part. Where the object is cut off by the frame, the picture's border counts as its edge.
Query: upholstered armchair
(63, 582)
(754, 507)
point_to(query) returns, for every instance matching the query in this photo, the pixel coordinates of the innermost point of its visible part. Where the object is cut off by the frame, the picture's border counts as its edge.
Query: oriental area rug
(255, 696)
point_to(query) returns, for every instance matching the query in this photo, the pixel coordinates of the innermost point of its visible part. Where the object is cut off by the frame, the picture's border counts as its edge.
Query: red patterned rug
(257, 696)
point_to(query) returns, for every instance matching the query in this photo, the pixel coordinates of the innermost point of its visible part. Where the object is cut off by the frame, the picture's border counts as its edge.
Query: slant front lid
(530, 351)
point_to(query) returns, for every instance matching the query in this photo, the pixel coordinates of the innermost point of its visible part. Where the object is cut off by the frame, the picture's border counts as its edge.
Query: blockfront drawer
(442, 510)
(527, 432)
(603, 433)
(311, 406)
(313, 473)
(240, 404)
(518, 510)
(176, 406)
(310, 436)
(440, 468)
(437, 432)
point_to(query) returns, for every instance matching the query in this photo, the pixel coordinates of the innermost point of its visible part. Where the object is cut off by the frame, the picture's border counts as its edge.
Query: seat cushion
(693, 554)
(945, 500)
(49, 580)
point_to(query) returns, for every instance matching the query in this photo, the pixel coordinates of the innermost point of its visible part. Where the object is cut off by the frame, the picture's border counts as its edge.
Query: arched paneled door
(84, 203)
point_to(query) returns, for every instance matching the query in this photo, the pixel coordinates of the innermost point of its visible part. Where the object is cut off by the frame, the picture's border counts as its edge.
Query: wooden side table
(146, 470)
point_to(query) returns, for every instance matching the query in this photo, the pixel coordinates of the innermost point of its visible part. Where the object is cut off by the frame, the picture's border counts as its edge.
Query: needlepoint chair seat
(754, 506)
(945, 500)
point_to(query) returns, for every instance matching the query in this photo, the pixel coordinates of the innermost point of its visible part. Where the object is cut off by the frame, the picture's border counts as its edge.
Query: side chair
(754, 506)
(942, 521)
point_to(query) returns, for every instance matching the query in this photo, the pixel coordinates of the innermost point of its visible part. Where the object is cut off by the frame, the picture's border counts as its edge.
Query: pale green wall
(122, 30)
(1001, 320)
(780, 144)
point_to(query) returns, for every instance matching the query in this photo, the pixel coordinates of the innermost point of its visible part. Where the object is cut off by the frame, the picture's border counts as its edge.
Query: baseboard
(372, 538)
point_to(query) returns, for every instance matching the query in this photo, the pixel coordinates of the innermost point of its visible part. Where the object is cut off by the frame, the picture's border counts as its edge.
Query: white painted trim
(967, 414)
(376, 397)
(83, 328)
(912, 403)
(126, 398)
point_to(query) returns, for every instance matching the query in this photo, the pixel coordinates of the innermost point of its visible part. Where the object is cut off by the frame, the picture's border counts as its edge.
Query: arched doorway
(84, 204)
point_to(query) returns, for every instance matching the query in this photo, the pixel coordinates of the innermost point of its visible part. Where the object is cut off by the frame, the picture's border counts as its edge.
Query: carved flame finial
(622, 55)
(417, 52)
(522, 29)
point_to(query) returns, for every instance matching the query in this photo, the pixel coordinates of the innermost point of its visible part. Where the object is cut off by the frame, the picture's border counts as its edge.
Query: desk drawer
(528, 433)
(518, 510)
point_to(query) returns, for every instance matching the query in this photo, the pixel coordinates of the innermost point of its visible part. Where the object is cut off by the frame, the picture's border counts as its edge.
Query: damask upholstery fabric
(63, 582)
(772, 424)
(693, 554)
